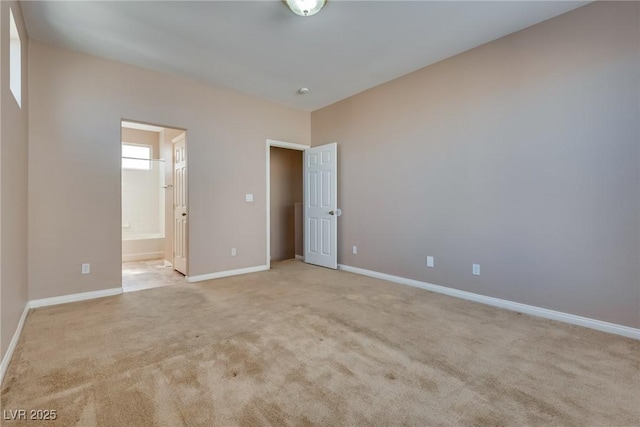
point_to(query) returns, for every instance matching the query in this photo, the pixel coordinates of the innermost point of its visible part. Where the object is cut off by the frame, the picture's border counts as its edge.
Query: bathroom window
(135, 156)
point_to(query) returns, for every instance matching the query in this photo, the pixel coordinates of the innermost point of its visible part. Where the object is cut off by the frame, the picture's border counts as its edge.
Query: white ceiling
(263, 49)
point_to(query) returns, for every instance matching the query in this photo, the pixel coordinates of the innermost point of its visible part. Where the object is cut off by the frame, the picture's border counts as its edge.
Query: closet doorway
(284, 201)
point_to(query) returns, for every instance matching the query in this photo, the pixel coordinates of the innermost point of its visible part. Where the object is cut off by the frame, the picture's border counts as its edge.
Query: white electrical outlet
(233, 252)
(355, 250)
(476, 269)
(248, 197)
(86, 268)
(430, 261)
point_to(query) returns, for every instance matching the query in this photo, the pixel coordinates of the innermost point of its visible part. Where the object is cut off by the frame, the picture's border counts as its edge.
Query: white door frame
(280, 144)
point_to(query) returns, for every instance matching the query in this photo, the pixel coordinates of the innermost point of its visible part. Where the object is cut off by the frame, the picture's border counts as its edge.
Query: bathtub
(141, 246)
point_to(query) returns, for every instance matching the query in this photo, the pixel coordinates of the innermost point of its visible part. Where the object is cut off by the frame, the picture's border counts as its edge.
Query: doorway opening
(285, 227)
(149, 236)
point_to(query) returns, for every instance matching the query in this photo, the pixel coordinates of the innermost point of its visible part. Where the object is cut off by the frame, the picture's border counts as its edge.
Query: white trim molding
(142, 256)
(6, 360)
(289, 145)
(587, 322)
(44, 302)
(280, 144)
(227, 273)
(300, 257)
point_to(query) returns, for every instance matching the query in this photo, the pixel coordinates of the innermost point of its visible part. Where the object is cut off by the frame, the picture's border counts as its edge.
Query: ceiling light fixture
(303, 90)
(305, 7)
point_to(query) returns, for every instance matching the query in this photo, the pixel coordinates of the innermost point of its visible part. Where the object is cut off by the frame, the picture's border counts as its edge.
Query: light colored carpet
(303, 345)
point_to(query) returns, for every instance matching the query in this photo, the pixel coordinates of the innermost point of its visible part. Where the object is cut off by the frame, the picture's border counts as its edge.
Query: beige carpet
(303, 345)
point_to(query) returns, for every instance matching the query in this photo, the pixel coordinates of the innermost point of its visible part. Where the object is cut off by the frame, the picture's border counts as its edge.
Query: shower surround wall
(143, 214)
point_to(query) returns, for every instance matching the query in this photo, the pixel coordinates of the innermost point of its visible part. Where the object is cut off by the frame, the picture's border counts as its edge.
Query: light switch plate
(429, 261)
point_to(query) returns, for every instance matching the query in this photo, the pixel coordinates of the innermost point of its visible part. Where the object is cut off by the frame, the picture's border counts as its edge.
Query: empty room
(320, 212)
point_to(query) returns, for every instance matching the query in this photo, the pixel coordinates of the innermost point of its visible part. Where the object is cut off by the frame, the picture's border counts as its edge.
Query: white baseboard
(299, 257)
(168, 264)
(143, 256)
(599, 325)
(12, 345)
(227, 273)
(74, 297)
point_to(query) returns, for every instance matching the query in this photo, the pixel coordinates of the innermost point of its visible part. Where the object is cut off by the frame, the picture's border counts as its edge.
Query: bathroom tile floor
(140, 275)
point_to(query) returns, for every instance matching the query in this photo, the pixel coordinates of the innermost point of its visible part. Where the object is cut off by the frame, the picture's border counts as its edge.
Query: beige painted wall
(521, 155)
(286, 190)
(74, 166)
(13, 184)
(144, 137)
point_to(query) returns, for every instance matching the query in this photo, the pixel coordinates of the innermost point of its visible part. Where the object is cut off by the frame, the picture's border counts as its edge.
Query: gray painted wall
(521, 155)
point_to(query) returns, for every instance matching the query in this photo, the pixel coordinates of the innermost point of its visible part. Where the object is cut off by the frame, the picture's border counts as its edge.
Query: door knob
(337, 212)
(184, 214)
(332, 212)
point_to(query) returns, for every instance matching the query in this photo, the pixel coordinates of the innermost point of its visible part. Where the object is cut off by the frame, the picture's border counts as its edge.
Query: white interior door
(180, 223)
(321, 205)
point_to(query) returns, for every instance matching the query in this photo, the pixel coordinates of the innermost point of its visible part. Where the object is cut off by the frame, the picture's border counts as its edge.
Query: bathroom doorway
(148, 206)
